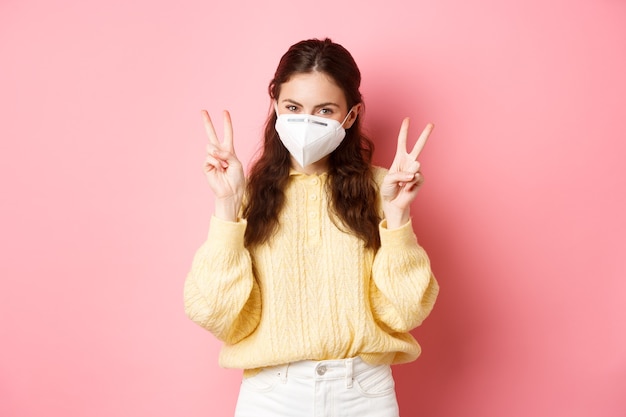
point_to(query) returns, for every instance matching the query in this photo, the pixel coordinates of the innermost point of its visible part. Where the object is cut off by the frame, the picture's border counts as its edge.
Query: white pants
(337, 388)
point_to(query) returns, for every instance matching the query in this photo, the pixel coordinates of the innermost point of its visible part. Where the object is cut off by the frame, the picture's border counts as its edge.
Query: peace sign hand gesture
(402, 182)
(223, 170)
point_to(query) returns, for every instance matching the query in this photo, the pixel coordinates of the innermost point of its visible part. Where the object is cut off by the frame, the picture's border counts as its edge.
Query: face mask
(309, 138)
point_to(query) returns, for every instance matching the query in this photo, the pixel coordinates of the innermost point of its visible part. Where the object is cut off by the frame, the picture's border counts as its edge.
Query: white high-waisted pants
(336, 388)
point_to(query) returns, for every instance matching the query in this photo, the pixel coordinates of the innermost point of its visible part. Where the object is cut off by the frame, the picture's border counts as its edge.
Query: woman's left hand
(402, 182)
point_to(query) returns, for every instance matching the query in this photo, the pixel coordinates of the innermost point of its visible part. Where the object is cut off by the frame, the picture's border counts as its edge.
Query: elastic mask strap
(276, 108)
(346, 118)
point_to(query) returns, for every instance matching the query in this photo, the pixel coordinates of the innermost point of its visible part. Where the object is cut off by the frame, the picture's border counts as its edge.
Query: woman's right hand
(223, 170)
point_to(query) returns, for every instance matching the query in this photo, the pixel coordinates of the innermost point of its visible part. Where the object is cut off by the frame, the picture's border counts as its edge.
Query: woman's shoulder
(378, 173)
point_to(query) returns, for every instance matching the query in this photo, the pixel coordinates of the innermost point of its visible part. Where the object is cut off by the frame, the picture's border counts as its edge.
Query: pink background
(104, 201)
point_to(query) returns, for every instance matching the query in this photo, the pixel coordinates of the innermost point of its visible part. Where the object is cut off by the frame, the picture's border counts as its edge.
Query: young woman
(311, 274)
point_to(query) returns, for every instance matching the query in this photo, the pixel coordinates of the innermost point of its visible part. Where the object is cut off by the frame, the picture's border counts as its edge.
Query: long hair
(350, 180)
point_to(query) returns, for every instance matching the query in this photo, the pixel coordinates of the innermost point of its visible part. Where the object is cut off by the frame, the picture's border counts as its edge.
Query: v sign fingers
(214, 143)
(223, 170)
(404, 179)
(403, 160)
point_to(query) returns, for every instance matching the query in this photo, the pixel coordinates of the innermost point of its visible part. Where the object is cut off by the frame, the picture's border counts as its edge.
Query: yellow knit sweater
(314, 292)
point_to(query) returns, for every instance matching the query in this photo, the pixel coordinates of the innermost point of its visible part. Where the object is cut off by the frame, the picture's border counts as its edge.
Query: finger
(413, 185)
(421, 141)
(220, 153)
(208, 126)
(404, 131)
(412, 167)
(210, 166)
(400, 177)
(416, 183)
(228, 132)
(216, 162)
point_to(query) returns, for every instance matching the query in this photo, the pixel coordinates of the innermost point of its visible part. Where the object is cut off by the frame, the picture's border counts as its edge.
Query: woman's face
(315, 93)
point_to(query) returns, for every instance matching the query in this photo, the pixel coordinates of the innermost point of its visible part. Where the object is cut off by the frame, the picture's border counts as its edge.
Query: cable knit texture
(315, 292)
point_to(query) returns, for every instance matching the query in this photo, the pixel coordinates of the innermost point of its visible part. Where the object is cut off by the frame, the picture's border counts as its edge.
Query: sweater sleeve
(221, 293)
(403, 288)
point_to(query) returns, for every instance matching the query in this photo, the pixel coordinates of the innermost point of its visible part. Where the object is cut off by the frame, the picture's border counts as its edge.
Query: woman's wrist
(396, 217)
(228, 208)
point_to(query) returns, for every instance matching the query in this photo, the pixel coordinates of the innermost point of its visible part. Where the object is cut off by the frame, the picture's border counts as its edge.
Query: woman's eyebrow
(326, 104)
(329, 103)
(288, 100)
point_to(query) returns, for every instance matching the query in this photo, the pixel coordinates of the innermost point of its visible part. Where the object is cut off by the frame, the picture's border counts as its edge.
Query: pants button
(321, 370)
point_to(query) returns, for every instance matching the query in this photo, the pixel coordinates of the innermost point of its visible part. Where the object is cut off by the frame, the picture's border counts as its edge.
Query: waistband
(322, 370)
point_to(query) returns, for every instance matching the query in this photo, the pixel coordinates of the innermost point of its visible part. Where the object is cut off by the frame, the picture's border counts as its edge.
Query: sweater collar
(294, 173)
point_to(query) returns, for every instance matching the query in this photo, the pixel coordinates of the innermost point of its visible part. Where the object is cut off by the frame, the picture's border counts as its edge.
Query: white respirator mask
(309, 138)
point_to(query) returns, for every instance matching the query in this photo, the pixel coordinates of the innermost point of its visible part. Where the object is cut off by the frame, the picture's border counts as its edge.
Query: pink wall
(104, 201)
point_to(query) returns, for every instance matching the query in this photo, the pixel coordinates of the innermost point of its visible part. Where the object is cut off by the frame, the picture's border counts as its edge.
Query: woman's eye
(326, 111)
(292, 108)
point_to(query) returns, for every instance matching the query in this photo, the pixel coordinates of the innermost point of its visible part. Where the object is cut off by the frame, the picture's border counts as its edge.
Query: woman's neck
(315, 168)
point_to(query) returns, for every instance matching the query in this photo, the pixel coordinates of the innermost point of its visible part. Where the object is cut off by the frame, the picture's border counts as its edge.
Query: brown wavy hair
(350, 180)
